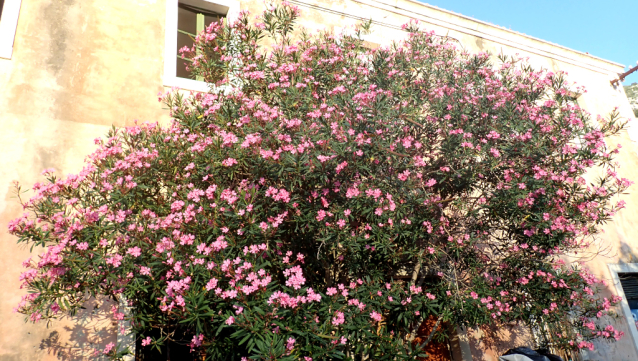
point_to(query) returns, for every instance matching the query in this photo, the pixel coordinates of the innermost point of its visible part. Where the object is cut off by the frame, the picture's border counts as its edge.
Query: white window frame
(8, 26)
(170, 78)
(615, 269)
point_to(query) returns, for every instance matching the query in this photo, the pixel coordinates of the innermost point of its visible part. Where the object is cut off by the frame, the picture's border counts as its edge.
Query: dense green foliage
(323, 199)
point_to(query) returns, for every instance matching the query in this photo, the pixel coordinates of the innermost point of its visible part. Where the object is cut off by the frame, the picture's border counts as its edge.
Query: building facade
(70, 69)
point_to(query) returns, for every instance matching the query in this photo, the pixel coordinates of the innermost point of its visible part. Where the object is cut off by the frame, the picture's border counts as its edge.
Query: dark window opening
(629, 283)
(191, 20)
(1, 6)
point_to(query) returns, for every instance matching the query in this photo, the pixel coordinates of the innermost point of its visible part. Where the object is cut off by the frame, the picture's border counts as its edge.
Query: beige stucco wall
(80, 66)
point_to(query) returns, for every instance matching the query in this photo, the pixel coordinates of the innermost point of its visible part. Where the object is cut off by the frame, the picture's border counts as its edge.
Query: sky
(607, 29)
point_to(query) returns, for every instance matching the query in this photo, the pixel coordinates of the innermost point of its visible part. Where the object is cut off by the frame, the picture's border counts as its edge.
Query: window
(9, 12)
(184, 20)
(191, 20)
(625, 278)
(629, 284)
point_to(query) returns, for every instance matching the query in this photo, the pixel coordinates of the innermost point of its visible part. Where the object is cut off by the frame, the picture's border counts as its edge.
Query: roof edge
(419, 3)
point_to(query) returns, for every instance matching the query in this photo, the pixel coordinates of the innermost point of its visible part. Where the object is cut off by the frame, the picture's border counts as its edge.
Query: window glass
(190, 21)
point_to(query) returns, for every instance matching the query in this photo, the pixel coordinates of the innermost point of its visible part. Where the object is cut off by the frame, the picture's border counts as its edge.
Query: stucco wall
(80, 66)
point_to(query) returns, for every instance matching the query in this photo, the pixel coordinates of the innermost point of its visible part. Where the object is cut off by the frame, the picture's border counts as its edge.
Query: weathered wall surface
(80, 66)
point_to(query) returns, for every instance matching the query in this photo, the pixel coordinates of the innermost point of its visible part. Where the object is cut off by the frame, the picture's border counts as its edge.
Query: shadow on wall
(487, 343)
(627, 255)
(89, 331)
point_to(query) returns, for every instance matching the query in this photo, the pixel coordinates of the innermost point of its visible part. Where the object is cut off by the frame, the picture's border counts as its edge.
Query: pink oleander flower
(290, 344)
(229, 162)
(108, 348)
(338, 319)
(135, 251)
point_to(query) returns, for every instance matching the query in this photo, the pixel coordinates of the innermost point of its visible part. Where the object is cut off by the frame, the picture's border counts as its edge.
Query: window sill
(186, 84)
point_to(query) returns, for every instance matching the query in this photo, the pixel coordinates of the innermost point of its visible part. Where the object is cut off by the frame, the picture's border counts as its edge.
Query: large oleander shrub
(325, 199)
